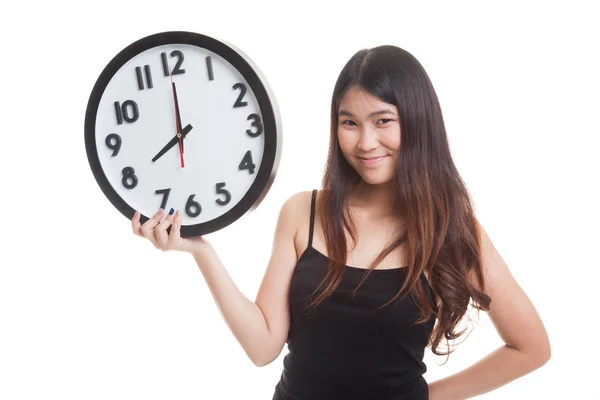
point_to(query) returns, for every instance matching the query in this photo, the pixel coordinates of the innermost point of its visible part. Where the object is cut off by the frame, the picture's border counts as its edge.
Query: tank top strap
(312, 217)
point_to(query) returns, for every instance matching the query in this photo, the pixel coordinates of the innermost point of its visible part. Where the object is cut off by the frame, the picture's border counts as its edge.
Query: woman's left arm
(526, 348)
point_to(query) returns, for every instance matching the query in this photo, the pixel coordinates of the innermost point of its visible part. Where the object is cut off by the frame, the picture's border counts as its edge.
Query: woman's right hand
(155, 230)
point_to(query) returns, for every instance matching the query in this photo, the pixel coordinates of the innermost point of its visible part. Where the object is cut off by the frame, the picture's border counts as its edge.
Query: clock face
(181, 120)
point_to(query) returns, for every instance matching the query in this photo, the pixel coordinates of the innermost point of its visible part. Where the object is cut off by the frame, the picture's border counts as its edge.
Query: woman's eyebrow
(380, 112)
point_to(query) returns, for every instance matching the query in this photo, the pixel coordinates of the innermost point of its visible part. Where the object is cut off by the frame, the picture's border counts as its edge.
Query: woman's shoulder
(297, 209)
(299, 202)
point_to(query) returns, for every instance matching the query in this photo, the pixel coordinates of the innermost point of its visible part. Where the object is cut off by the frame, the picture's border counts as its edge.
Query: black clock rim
(270, 161)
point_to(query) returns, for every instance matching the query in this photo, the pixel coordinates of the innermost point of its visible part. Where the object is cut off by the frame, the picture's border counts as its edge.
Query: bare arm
(260, 327)
(526, 348)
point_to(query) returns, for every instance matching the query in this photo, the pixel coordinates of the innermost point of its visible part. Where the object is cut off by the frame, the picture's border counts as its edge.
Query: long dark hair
(440, 234)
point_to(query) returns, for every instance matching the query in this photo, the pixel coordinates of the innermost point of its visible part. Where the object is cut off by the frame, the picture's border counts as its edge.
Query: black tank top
(345, 349)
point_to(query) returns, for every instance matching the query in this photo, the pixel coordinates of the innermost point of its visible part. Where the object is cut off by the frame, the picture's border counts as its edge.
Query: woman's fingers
(136, 225)
(155, 230)
(148, 226)
(160, 232)
(175, 235)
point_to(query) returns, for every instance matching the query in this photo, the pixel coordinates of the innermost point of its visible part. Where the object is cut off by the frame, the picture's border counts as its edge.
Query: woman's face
(369, 135)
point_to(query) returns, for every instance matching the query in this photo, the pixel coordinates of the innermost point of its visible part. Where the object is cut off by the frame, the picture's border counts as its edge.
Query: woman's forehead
(359, 102)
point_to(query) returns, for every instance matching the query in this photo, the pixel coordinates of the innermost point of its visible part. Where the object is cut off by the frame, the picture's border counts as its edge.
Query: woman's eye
(385, 120)
(347, 122)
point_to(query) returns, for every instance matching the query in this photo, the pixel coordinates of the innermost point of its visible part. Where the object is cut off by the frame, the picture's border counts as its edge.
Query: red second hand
(177, 123)
(181, 154)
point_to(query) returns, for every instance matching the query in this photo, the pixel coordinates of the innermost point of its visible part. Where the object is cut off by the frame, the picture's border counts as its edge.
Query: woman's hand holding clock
(165, 239)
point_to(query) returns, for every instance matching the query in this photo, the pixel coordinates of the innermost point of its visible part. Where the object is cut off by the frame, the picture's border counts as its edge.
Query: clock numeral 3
(247, 163)
(113, 142)
(129, 175)
(165, 193)
(177, 70)
(140, 79)
(192, 208)
(256, 123)
(221, 190)
(123, 111)
(239, 101)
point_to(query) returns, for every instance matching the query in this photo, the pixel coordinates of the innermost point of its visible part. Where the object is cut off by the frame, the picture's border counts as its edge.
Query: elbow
(261, 358)
(546, 354)
(541, 355)
(261, 361)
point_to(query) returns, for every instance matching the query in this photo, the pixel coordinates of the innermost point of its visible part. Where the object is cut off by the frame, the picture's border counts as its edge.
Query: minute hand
(172, 142)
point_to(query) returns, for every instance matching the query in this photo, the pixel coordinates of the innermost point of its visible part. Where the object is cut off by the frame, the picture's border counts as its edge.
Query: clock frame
(127, 112)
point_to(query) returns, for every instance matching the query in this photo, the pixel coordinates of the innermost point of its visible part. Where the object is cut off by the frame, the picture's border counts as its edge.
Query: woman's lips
(371, 160)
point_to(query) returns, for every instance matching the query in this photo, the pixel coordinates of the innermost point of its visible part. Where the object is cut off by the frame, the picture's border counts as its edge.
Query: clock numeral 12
(165, 64)
(123, 111)
(247, 163)
(140, 79)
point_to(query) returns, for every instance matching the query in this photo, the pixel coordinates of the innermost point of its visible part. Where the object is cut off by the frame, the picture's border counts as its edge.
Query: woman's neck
(374, 200)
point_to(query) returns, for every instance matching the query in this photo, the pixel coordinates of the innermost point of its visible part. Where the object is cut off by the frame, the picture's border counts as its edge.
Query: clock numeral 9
(129, 175)
(165, 193)
(177, 70)
(220, 187)
(192, 208)
(247, 163)
(114, 146)
(239, 101)
(122, 111)
(256, 123)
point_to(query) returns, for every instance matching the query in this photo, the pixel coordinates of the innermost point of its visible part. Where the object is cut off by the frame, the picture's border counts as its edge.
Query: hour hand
(172, 142)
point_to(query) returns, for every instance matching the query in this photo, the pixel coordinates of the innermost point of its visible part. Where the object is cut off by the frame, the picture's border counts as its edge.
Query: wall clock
(186, 121)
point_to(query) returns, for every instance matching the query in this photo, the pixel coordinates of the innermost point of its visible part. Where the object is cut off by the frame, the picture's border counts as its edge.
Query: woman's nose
(367, 140)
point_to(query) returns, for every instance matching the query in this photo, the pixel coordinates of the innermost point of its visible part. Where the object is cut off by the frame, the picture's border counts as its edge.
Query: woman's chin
(377, 179)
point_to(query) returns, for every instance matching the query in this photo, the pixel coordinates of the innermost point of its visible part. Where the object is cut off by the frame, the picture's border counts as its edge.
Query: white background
(90, 311)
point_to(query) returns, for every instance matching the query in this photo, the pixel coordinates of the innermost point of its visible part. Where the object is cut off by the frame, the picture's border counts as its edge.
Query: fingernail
(171, 212)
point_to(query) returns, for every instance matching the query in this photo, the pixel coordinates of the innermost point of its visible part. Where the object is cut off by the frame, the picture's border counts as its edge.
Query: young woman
(381, 263)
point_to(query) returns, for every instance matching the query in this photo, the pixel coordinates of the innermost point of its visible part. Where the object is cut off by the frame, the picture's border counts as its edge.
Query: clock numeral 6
(129, 175)
(123, 111)
(113, 142)
(165, 193)
(256, 123)
(221, 190)
(247, 163)
(192, 208)
(165, 64)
